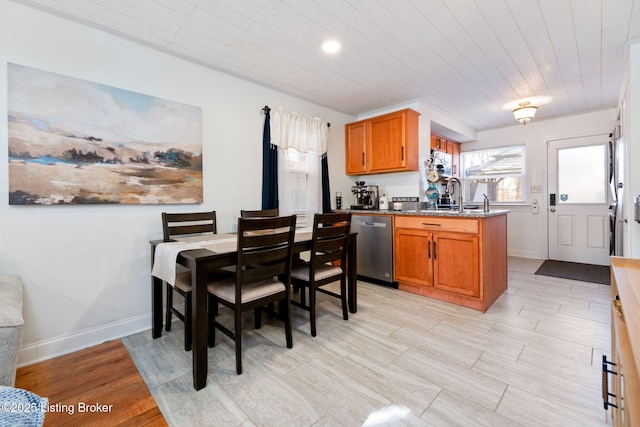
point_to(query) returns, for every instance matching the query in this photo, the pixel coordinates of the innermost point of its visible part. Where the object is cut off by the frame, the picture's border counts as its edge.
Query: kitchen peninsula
(458, 257)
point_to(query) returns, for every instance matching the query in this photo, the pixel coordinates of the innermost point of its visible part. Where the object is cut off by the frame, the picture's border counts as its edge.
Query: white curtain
(301, 140)
(293, 130)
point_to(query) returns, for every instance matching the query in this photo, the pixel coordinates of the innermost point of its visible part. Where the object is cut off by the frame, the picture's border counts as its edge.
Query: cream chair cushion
(226, 289)
(301, 271)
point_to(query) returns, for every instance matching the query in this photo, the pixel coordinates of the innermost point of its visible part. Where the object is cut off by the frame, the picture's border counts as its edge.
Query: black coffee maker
(364, 196)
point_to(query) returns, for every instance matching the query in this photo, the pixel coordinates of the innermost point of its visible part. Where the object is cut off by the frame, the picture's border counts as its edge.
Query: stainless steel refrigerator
(616, 175)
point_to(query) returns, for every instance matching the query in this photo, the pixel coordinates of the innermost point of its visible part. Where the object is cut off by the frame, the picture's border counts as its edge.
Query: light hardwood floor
(532, 359)
(97, 386)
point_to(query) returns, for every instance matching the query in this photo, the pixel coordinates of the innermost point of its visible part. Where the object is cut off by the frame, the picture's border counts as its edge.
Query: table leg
(199, 325)
(156, 309)
(353, 274)
(156, 302)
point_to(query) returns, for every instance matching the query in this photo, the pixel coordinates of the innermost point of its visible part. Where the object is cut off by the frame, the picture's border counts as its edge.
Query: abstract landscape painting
(76, 142)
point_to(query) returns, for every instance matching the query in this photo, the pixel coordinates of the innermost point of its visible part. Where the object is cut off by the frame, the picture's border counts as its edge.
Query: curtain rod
(267, 109)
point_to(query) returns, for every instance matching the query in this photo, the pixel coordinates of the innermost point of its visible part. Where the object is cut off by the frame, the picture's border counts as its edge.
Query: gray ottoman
(10, 327)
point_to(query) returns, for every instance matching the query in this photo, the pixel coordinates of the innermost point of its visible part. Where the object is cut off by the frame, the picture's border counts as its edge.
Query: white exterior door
(579, 200)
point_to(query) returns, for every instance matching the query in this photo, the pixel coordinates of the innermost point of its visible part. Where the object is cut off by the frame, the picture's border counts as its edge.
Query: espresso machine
(365, 196)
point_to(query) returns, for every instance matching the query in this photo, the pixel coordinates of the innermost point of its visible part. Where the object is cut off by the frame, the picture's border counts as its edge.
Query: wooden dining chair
(182, 225)
(263, 213)
(327, 263)
(263, 276)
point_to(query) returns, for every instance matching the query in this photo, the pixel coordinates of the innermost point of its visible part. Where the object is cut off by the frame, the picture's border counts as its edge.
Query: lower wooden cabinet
(459, 260)
(621, 374)
(412, 253)
(456, 263)
(432, 260)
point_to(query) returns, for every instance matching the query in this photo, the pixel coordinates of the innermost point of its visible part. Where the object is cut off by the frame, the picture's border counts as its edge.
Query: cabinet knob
(618, 306)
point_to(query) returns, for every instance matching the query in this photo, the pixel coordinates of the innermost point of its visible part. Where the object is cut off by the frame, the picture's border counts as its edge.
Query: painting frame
(74, 142)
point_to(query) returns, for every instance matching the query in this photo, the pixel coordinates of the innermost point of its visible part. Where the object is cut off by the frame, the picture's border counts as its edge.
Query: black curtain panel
(326, 194)
(269, 166)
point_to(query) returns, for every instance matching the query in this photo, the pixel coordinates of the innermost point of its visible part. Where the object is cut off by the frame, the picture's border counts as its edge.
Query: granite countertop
(468, 213)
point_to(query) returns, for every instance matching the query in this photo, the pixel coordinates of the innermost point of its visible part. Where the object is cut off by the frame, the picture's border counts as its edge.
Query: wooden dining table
(213, 256)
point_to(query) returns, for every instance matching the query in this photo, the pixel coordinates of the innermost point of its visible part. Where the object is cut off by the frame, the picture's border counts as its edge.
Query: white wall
(86, 268)
(630, 118)
(527, 232)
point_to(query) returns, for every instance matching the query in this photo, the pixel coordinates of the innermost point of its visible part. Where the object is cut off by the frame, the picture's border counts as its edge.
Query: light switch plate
(536, 189)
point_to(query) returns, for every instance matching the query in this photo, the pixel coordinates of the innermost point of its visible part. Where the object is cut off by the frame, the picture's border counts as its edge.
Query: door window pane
(581, 175)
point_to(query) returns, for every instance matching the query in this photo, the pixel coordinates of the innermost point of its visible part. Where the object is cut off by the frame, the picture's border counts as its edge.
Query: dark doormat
(576, 271)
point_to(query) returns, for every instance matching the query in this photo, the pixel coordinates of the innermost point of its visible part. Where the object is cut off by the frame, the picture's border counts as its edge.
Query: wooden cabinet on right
(450, 147)
(459, 260)
(621, 375)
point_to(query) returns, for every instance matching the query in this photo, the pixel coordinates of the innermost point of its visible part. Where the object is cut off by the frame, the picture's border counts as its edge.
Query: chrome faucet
(450, 180)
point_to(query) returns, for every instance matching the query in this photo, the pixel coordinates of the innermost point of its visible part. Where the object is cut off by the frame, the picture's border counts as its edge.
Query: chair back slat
(262, 213)
(191, 223)
(330, 237)
(265, 248)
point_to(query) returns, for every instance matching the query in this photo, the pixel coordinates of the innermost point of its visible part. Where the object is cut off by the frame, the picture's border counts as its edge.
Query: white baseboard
(50, 348)
(525, 254)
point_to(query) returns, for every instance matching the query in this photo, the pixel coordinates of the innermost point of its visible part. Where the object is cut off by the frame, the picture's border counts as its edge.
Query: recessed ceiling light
(331, 46)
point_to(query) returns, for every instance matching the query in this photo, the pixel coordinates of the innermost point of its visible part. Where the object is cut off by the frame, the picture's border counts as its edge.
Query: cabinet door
(387, 142)
(456, 263)
(453, 148)
(435, 141)
(413, 257)
(438, 143)
(355, 145)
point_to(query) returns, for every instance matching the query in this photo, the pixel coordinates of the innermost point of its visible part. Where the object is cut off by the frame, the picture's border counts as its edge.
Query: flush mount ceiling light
(525, 112)
(331, 46)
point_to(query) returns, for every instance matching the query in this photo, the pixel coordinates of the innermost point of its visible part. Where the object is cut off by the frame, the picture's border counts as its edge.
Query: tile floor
(533, 359)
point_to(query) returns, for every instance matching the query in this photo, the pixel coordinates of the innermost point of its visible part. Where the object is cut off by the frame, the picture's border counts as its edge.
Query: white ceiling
(467, 57)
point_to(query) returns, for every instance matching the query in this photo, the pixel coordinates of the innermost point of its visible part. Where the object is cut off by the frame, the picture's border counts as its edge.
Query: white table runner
(166, 255)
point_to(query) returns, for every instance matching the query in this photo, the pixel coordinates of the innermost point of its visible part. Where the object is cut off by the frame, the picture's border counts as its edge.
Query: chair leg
(343, 297)
(187, 321)
(285, 309)
(271, 310)
(238, 339)
(303, 297)
(169, 313)
(212, 308)
(312, 309)
(257, 316)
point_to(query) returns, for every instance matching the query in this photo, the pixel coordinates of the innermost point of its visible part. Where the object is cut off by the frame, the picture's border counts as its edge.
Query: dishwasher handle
(374, 224)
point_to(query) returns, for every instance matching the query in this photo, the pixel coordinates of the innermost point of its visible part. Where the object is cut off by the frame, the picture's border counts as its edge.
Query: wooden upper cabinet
(387, 143)
(454, 150)
(450, 147)
(356, 147)
(438, 142)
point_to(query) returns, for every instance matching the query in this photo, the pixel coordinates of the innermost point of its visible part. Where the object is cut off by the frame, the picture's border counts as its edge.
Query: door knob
(552, 209)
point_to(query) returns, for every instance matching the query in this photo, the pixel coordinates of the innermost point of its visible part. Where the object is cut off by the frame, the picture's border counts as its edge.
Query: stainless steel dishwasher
(375, 247)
